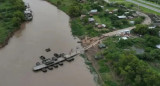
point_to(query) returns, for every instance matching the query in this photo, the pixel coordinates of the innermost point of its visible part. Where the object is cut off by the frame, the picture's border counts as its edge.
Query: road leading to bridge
(147, 21)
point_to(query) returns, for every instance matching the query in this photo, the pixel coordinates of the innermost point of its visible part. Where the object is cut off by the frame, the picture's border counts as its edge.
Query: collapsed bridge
(58, 59)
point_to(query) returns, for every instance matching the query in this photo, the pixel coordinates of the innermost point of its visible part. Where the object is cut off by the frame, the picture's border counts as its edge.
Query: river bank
(11, 18)
(9, 35)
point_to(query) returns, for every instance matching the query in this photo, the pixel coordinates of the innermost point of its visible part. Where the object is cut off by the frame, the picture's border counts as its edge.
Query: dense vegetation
(11, 16)
(132, 68)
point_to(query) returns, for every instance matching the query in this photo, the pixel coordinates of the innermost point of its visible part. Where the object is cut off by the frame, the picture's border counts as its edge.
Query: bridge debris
(57, 59)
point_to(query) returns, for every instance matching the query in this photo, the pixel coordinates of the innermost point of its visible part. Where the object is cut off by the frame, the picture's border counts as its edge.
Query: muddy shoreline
(10, 35)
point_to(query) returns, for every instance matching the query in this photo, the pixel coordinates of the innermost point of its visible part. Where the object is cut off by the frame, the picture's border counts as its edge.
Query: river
(48, 29)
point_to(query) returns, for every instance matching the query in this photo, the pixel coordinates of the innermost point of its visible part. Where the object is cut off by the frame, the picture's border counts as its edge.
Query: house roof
(103, 25)
(126, 12)
(107, 10)
(82, 16)
(102, 45)
(110, 12)
(122, 17)
(115, 10)
(124, 38)
(152, 27)
(99, 26)
(131, 22)
(94, 11)
(96, 23)
(101, 6)
(90, 19)
(158, 46)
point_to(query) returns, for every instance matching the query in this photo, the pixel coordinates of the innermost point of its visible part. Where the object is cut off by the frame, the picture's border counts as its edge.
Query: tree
(125, 43)
(96, 6)
(85, 20)
(139, 20)
(141, 29)
(74, 11)
(19, 14)
(59, 3)
(125, 22)
(117, 23)
(152, 41)
(16, 21)
(136, 72)
(2, 0)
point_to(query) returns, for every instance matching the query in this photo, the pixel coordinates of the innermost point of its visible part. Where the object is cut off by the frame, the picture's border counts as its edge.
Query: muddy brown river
(49, 29)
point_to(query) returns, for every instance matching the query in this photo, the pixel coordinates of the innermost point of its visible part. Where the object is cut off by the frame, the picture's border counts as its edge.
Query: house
(100, 26)
(127, 31)
(91, 15)
(130, 17)
(132, 22)
(130, 10)
(96, 24)
(155, 20)
(102, 6)
(91, 20)
(82, 16)
(116, 14)
(101, 45)
(151, 27)
(115, 10)
(124, 38)
(95, 11)
(122, 17)
(107, 10)
(110, 12)
(158, 46)
(126, 13)
(98, 57)
(103, 25)
(135, 15)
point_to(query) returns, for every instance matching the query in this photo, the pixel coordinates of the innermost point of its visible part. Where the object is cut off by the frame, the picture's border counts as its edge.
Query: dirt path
(147, 21)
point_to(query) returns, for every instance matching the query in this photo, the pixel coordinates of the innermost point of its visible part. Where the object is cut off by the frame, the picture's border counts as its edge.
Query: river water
(49, 29)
